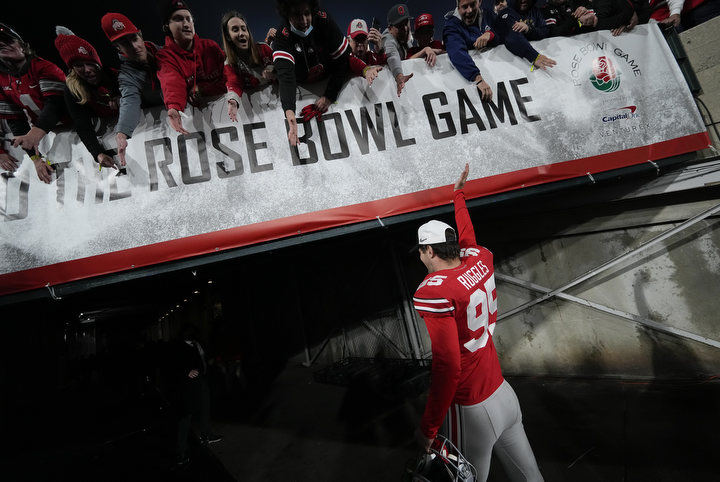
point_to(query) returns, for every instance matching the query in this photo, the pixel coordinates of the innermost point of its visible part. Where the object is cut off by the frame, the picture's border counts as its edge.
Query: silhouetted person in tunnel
(190, 370)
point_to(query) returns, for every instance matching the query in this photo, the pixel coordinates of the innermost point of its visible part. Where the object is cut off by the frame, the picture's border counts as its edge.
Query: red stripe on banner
(305, 223)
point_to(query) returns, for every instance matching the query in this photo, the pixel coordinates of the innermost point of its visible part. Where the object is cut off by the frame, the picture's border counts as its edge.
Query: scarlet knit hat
(74, 49)
(116, 25)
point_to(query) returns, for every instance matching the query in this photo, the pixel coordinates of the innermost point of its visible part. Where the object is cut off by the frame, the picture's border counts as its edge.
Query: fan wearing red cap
(137, 80)
(360, 37)
(426, 47)
(190, 67)
(31, 89)
(90, 91)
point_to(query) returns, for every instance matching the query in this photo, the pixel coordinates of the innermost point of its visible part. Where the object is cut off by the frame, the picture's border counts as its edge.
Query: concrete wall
(702, 45)
(675, 284)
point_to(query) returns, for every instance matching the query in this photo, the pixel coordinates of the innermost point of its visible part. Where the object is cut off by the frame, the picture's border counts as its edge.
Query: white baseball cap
(358, 27)
(434, 232)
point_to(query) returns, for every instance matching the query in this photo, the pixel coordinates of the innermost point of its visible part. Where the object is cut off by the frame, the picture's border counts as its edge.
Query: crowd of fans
(307, 46)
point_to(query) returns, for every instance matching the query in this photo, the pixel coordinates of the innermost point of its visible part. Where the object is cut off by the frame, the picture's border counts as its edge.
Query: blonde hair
(78, 87)
(231, 50)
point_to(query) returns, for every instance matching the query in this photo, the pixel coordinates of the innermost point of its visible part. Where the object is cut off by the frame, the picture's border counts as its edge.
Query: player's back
(467, 294)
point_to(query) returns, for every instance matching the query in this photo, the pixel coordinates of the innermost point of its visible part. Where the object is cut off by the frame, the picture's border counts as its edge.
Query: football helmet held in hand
(444, 463)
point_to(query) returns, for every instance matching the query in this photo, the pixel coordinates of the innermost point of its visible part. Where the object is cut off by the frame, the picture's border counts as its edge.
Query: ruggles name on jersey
(474, 275)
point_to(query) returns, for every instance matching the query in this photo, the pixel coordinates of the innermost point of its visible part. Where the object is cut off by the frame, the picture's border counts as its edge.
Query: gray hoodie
(395, 52)
(139, 87)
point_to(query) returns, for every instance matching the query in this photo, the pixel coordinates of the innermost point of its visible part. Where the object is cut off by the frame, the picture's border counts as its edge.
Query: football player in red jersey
(31, 90)
(458, 302)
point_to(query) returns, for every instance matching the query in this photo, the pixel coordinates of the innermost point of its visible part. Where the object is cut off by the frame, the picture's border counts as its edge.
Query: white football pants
(494, 424)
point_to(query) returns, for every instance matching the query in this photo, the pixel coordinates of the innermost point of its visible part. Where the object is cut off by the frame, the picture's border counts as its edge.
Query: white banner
(610, 101)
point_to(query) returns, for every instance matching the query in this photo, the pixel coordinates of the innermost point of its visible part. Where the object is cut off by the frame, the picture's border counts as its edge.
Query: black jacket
(324, 52)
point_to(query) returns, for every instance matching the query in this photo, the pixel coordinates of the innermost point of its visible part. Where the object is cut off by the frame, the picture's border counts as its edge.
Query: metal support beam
(613, 262)
(309, 363)
(606, 309)
(407, 310)
(383, 336)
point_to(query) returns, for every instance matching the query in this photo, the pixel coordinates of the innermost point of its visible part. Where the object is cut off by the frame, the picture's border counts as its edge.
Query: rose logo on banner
(605, 78)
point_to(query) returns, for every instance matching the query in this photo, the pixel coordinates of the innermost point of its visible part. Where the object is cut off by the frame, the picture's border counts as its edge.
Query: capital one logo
(605, 78)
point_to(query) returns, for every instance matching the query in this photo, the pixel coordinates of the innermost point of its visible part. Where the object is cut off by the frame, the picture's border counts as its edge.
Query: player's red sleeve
(466, 232)
(172, 83)
(234, 83)
(444, 374)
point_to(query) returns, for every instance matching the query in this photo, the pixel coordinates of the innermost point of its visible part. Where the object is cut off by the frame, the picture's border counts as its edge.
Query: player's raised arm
(466, 232)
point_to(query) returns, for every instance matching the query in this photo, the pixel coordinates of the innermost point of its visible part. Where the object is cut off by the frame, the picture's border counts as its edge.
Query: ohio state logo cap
(424, 20)
(357, 27)
(398, 14)
(117, 25)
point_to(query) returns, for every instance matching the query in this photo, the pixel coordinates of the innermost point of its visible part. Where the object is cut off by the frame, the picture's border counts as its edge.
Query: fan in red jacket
(31, 89)
(249, 64)
(190, 68)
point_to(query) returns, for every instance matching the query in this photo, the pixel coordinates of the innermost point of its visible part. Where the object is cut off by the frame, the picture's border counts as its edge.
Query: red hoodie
(181, 72)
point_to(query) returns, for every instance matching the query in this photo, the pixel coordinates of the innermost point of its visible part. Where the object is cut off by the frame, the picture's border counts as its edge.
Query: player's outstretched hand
(460, 183)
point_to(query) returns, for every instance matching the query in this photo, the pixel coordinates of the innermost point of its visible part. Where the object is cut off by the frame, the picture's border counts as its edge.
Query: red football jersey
(459, 307)
(24, 96)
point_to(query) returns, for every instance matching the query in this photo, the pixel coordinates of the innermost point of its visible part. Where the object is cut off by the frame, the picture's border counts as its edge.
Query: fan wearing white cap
(458, 302)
